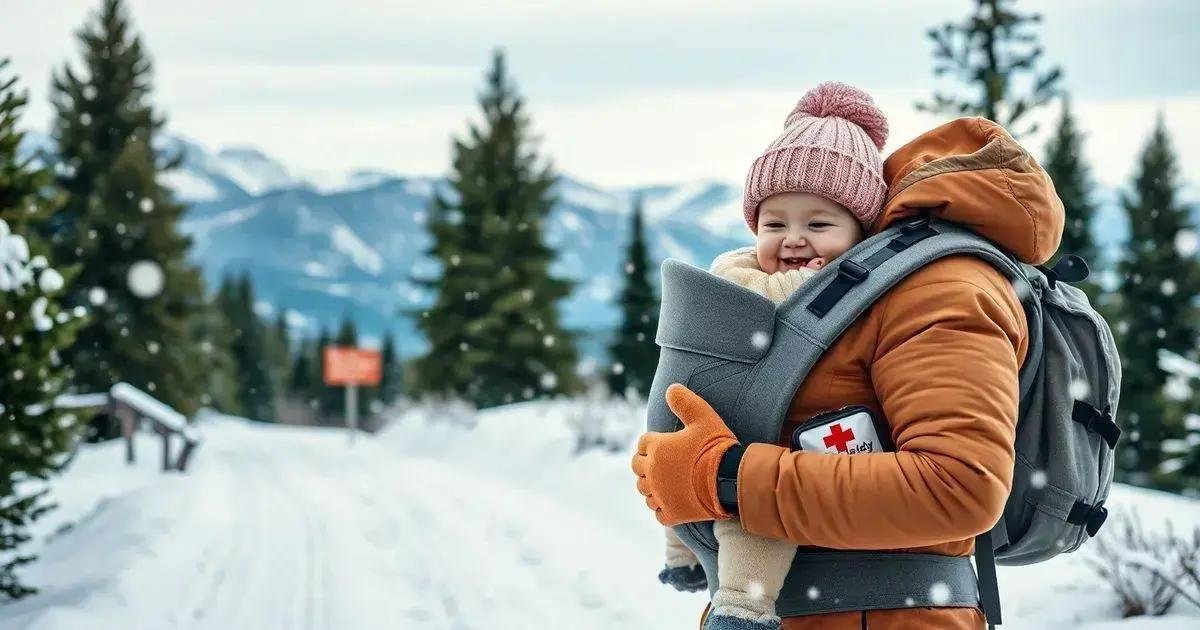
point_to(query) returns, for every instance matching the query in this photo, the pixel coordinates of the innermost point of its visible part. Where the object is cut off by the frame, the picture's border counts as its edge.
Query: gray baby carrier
(747, 357)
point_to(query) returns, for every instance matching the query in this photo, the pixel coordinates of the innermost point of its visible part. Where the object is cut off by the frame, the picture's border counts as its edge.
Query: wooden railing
(131, 405)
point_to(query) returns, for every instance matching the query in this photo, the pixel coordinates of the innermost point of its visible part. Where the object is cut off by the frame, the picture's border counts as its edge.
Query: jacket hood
(972, 172)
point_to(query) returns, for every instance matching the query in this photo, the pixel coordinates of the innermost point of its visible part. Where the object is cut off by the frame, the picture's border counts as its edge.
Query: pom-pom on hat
(830, 147)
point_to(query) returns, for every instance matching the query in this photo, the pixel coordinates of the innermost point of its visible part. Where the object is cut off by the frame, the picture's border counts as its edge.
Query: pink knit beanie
(830, 147)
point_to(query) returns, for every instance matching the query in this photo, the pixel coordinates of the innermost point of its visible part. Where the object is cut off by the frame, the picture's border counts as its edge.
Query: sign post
(351, 367)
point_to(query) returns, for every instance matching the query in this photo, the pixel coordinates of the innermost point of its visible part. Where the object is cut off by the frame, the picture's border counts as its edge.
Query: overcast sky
(622, 92)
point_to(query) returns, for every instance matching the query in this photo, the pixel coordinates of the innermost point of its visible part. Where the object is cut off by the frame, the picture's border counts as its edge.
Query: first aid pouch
(850, 430)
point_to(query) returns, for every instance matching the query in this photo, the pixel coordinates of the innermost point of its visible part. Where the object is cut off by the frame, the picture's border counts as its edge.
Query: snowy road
(427, 526)
(287, 528)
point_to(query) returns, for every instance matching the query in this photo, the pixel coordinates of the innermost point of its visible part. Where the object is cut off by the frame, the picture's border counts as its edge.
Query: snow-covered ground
(426, 525)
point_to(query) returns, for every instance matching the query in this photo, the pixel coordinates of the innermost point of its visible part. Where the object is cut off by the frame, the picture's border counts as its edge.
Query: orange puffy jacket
(938, 357)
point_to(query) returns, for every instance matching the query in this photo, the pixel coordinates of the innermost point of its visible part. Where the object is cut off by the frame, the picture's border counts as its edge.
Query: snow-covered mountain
(324, 246)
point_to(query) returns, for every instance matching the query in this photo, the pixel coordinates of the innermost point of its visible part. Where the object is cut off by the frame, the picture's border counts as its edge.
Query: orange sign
(352, 366)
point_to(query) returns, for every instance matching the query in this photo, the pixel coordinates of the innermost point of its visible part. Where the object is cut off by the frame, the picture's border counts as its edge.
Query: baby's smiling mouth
(795, 262)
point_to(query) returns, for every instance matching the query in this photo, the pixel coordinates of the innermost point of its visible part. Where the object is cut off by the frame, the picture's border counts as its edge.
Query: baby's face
(798, 230)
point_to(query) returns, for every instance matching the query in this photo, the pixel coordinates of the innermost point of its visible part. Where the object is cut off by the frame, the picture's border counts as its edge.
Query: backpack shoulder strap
(809, 322)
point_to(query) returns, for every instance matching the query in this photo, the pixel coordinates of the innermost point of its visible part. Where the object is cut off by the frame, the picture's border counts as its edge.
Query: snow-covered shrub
(603, 421)
(1149, 571)
(455, 412)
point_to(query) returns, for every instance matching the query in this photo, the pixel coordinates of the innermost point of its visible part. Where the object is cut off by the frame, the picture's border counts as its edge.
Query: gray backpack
(747, 357)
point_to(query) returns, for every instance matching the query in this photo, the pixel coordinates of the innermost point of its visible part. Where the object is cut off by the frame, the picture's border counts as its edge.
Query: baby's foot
(730, 618)
(690, 579)
(815, 263)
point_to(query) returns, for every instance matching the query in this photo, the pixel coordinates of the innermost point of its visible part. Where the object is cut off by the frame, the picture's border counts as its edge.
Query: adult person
(937, 357)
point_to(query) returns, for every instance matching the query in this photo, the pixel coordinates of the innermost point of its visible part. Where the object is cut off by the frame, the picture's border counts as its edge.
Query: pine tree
(212, 330)
(633, 351)
(302, 370)
(392, 380)
(256, 393)
(493, 331)
(33, 332)
(322, 395)
(279, 355)
(1065, 164)
(1159, 281)
(988, 51)
(121, 224)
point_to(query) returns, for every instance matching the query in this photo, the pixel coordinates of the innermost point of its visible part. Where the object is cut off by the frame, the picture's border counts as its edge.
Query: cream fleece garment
(751, 568)
(741, 266)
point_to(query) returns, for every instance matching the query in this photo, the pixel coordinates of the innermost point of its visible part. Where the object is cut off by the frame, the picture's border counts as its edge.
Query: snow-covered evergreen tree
(392, 379)
(633, 351)
(493, 331)
(34, 330)
(1159, 282)
(249, 343)
(1065, 164)
(121, 224)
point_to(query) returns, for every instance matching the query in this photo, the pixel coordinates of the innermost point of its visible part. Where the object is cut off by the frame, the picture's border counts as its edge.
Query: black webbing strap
(1090, 516)
(851, 273)
(989, 586)
(1097, 421)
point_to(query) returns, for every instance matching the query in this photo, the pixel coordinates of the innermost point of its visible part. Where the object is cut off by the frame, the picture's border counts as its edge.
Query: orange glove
(677, 472)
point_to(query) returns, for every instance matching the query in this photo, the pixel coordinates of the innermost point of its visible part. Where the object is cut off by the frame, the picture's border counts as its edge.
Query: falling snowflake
(121, 229)
(1022, 290)
(760, 339)
(18, 375)
(1079, 389)
(455, 260)
(629, 268)
(527, 294)
(206, 347)
(1037, 479)
(910, 602)
(527, 393)
(463, 346)
(814, 592)
(151, 386)
(145, 279)
(1186, 243)
(89, 92)
(80, 311)
(1168, 287)
(548, 380)
(618, 368)
(85, 119)
(939, 593)
(755, 589)
(152, 347)
(146, 205)
(1161, 334)
(641, 336)
(548, 341)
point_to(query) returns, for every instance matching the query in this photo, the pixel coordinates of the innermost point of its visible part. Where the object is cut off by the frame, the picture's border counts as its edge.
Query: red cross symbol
(839, 437)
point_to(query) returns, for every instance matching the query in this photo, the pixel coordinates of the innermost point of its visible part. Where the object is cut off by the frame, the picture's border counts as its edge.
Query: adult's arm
(945, 369)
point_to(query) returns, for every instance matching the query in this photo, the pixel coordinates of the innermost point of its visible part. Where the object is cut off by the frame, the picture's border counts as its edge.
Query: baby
(809, 198)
